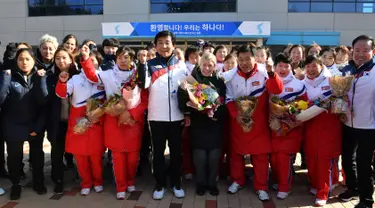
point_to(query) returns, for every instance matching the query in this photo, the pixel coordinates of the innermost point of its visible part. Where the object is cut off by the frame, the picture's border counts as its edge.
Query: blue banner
(187, 29)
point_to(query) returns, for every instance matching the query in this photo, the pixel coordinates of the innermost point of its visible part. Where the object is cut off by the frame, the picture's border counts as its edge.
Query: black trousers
(2, 154)
(160, 133)
(365, 152)
(57, 154)
(206, 164)
(15, 154)
(350, 138)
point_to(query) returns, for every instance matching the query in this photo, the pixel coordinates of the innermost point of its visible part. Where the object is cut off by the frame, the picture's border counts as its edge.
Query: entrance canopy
(188, 30)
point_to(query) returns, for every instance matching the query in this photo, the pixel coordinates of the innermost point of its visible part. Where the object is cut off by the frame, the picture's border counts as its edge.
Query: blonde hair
(207, 57)
(48, 39)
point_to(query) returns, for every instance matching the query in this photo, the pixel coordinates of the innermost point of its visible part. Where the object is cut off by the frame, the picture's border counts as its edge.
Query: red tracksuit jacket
(258, 84)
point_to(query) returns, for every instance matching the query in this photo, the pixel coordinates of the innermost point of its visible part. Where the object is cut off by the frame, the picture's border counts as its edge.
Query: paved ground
(246, 198)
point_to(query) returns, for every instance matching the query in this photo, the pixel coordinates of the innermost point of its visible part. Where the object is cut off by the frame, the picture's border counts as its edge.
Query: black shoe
(40, 189)
(15, 193)
(348, 195)
(363, 205)
(59, 189)
(201, 190)
(214, 191)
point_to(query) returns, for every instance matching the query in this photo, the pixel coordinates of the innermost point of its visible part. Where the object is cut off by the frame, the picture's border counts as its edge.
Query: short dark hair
(246, 49)
(218, 48)
(98, 56)
(266, 49)
(29, 50)
(332, 50)
(342, 48)
(208, 44)
(112, 42)
(86, 41)
(190, 50)
(124, 49)
(163, 34)
(297, 46)
(313, 58)
(281, 58)
(365, 38)
(229, 56)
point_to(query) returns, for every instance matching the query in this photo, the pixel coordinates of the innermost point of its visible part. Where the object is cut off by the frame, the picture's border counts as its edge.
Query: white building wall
(15, 25)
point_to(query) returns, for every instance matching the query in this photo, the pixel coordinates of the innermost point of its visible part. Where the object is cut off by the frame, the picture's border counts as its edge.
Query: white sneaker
(313, 191)
(85, 191)
(282, 195)
(275, 187)
(2, 192)
(131, 189)
(263, 196)
(189, 176)
(158, 194)
(120, 195)
(234, 188)
(320, 202)
(178, 193)
(98, 189)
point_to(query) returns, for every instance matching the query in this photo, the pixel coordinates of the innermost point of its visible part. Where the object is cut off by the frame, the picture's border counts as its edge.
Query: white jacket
(80, 89)
(114, 79)
(319, 87)
(239, 86)
(189, 67)
(292, 88)
(362, 99)
(163, 84)
(334, 70)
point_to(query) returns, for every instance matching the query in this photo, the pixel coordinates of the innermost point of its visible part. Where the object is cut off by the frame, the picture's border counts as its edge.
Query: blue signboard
(187, 29)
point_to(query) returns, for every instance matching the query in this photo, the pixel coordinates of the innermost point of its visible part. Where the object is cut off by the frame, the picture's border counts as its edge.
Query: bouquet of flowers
(340, 87)
(245, 107)
(314, 108)
(202, 97)
(115, 105)
(283, 114)
(94, 110)
(130, 91)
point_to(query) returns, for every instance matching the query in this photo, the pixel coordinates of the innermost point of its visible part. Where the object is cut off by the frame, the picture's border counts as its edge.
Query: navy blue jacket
(21, 104)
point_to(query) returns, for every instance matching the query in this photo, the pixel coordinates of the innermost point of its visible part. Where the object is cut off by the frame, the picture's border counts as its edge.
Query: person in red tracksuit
(284, 147)
(87, 148)
(323, 137)
(124, 140)
(249, 81)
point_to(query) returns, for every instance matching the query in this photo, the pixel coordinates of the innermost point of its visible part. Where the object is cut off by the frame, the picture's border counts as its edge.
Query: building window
(185, 6)
(64, 7)
(343, 6)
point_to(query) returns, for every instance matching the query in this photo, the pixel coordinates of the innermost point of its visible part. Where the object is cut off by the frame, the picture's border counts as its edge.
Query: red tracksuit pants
(187, 162)
(323, 174)
(260, 165)
(282, 169)
(125, 168)
(90, 169)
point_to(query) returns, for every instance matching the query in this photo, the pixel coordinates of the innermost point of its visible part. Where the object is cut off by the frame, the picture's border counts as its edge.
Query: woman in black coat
(206, 134)
(23, 92)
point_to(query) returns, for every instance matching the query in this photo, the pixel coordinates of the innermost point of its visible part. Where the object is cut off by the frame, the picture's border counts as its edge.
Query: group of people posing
(50, 92)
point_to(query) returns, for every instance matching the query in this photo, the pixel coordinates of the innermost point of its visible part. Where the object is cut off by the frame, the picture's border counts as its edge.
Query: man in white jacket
(162, 76)
(359, 129)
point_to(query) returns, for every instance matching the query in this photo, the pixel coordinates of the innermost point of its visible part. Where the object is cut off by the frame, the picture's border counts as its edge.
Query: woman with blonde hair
(206, 133)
